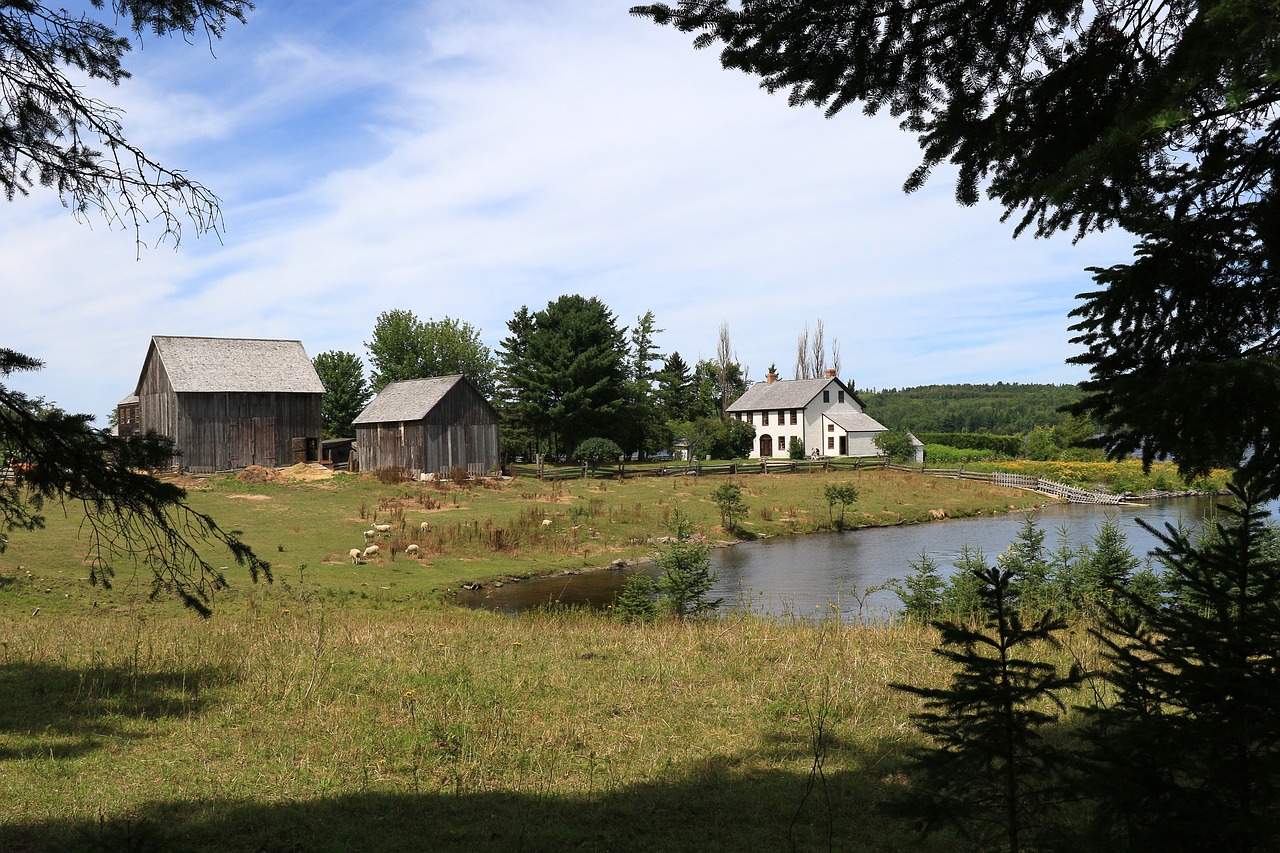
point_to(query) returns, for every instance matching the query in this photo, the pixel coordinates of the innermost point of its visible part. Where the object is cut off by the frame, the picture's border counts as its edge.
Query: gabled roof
(782, 394)
(407, 400)
(235, 364)
(855, 421)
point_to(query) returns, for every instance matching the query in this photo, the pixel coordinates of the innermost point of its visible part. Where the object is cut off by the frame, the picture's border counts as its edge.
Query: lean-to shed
(232, 402)
(428, 426)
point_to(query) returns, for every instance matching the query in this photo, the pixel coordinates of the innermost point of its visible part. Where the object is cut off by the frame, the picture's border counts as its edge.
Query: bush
(637, 602)
(728, 499)
(795, 448)
(597, 451)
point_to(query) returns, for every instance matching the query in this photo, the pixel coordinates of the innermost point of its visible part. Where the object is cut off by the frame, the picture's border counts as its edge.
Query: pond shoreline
(501, 581)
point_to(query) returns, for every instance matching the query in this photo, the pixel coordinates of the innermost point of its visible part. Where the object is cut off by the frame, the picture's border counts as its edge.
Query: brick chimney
(770, 378)
(831, 374)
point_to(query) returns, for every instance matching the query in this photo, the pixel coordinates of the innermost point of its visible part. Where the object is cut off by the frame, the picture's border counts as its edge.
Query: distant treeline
(1004, 408)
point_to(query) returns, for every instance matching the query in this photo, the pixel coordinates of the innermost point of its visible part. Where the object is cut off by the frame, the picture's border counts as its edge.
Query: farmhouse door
(844, 445)
(766, 446)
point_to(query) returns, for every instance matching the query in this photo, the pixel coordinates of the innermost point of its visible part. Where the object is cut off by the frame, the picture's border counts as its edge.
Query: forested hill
(1005, 408)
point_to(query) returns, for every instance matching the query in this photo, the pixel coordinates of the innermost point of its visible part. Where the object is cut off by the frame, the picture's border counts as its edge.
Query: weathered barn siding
(237, 403)
(454, 427)
(228, 430)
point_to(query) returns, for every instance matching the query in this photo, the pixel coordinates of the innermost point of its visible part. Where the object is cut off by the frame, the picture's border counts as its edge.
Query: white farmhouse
(823, 413)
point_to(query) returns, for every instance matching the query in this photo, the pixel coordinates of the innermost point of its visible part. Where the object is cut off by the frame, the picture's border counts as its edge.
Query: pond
(824, 575)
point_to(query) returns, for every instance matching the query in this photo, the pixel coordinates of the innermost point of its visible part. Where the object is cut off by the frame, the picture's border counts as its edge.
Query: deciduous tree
(404, 347)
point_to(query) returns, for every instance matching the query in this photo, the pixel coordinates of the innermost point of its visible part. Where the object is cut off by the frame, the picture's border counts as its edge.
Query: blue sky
(468, 158)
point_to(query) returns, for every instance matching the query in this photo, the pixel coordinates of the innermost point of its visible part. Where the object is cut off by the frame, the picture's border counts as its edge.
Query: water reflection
(828, 575)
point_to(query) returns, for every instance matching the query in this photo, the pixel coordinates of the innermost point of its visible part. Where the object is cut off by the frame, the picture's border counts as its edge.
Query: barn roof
(781, 394)
(236, 364)
(407, 400)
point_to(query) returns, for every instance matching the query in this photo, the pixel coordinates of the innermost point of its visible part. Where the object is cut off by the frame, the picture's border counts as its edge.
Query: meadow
(348, 707)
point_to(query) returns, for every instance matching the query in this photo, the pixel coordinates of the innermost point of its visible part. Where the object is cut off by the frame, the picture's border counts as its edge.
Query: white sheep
(424, 526)
(371, 551)
(382, 528)
(354, 554)
(368, 534)
(546, 522)
(411, 550)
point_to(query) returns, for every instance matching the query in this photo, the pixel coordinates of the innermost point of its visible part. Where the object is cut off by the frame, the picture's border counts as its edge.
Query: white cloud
(483, 156)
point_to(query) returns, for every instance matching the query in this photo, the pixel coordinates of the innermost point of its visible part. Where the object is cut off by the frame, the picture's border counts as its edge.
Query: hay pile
(256, 474)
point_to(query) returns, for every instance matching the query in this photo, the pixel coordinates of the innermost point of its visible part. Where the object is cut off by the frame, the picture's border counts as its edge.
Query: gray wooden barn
(428, 426)
(232, 402)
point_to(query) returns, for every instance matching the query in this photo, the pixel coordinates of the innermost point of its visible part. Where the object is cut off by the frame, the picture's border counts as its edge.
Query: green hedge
(1005, 445)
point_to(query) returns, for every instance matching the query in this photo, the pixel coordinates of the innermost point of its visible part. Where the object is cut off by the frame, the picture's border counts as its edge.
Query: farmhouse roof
(855, 421)
(407, 400)
(781, 394)
(236, 364)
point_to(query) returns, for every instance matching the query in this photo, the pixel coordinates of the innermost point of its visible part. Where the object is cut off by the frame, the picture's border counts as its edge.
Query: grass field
(306, 527)
(346, 708)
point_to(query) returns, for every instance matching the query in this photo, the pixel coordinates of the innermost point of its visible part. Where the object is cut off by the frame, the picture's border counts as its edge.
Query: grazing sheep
(368, 534)
(354, 554)
(382, 528)
(371, 551)
(411, 550)
(424, 526)
(546, 522)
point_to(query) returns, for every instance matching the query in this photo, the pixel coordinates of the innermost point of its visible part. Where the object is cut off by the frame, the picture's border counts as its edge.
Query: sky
(469, 157)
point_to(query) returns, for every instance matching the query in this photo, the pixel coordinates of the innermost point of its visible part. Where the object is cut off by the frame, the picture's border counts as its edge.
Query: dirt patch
(248, 497)
(305, 472)
(256, 475)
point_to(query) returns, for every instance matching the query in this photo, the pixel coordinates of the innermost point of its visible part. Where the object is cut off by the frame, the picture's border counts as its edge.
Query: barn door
(239, 443)
(264, 442)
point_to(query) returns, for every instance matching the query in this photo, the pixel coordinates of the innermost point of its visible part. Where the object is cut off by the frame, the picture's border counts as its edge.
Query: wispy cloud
(466, 159)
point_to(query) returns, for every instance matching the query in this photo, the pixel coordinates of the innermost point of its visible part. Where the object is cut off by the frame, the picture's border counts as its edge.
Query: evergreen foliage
(1188, 756)
(921, 590)
(685, 567)
(564, 369)
(58, 458)
(55, 133)
(989, 772)
(637, 602)
(795, 448)
(719, 439)
(346, 392)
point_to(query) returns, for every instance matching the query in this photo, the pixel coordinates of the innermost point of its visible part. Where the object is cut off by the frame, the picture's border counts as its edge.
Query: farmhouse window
(793, 417)
(831, 427)
(751, 417)
(840, 394)
(781, 417)
(764, 419)
(782, 441)
(826, 396)
(831, 443)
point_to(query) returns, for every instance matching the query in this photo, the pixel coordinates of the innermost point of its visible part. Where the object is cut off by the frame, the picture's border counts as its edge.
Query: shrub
(795, 447)
(728, 499)
(686, 572)
(597, 451)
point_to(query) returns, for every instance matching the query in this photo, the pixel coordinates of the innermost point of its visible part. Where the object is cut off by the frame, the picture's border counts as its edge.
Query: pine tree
(987, 771)
(686, 575)
(1188, 756)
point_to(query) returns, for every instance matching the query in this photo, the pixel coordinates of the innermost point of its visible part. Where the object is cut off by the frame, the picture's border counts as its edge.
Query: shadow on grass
(720, 805)
(65, 712)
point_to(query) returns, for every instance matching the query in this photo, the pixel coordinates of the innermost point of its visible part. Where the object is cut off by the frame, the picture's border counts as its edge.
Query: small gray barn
(232, 402)
(428, 426)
